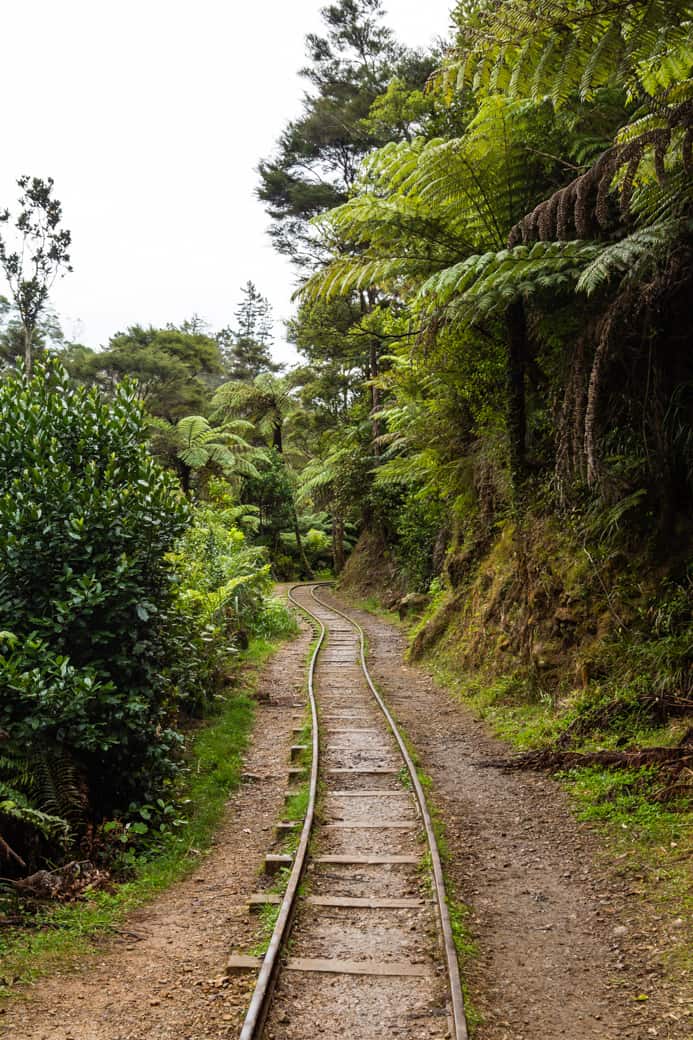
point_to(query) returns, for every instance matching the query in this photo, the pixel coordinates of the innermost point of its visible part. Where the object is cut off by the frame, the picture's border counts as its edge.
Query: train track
(364, 910)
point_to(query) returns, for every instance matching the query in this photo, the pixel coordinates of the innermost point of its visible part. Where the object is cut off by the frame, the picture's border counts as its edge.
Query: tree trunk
(516, 325)
(593, 394)
(277, 436)
(338, 557)
(185, 475)
(367, 303)
(27, 351)
(375, 395)
(299, 545)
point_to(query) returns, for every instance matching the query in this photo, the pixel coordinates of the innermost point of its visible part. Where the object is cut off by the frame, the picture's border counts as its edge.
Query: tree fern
(203, 445)
(267, 402)
(559, 48)
(28, 801)
(632, 255)
(420, 207)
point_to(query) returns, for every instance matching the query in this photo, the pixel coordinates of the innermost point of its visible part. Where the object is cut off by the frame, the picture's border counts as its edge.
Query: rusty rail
(262, 994)
(454, 981)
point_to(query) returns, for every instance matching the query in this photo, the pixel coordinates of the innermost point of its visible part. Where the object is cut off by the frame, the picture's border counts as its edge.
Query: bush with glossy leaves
(87, 518)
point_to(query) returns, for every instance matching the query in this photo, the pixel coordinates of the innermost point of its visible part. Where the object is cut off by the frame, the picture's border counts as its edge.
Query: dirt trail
(169, 983)
(566, 949)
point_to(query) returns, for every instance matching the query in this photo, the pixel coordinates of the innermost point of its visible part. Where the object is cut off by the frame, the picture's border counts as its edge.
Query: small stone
(620, 930)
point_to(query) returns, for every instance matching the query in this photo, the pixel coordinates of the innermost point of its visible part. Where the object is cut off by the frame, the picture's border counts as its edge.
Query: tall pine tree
(318, 154)
(246, 349)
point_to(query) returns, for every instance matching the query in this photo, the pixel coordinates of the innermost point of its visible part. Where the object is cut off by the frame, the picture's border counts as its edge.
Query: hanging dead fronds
(586, 208)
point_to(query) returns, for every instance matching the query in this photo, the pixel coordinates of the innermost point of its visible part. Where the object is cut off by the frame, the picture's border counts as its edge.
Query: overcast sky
(151, 116)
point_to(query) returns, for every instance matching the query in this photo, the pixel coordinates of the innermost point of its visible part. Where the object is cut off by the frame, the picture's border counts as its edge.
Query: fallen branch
(8, 852)
(63, 884)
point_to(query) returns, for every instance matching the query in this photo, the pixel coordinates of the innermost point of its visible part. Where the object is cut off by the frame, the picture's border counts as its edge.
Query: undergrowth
(59, 934)
(372, 605)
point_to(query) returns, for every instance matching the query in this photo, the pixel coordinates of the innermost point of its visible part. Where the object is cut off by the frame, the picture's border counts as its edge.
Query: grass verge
(373, 606)
(64, 933)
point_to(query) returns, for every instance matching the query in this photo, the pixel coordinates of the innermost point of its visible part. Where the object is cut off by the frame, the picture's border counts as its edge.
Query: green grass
(372, 605)
(649, 842)
(267, 919)
(464, 943)
(511, 709)
(297, 805)
(64, 933)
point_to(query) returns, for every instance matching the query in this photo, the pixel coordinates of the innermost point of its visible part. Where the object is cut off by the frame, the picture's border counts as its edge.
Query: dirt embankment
(372, 571)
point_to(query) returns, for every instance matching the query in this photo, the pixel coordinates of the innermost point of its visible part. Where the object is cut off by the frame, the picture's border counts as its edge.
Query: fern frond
(646, 246)
(60, 787)
(45, 823)
(492, 281)
(559, 48)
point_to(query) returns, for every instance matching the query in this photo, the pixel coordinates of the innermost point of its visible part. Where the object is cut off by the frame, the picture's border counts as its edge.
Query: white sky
(151, 116)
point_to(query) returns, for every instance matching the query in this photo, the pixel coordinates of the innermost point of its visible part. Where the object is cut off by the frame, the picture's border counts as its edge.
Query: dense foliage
(119, 606)
(496, 252)
(529, 272)
(86, 520)
(496, 335)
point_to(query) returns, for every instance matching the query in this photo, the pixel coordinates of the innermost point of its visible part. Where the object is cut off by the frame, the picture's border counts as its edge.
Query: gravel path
(567, 949)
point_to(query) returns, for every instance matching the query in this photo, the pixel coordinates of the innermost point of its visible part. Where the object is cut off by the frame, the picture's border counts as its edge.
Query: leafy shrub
(86, 592)
(275, 621)
(417, 525)
(221, 587)
(318, 545)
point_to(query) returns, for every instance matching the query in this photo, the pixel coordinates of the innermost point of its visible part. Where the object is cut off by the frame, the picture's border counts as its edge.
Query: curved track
(372, 952)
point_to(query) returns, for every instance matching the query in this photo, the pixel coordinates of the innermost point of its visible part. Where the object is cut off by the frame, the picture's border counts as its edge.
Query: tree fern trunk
(593, 393)
(277, 441)
(338, 557)
(516, 325)
(185, 473)
(375, 395)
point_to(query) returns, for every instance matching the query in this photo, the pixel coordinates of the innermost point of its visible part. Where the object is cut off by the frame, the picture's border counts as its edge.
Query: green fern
(559, 48)
(492, 281)
(19, 811)
(632, 256)
(202, 445)
(27, 799)
(421, 206)
(59, 786)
